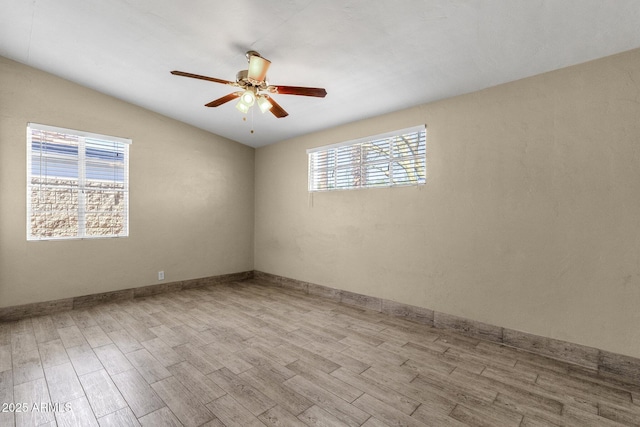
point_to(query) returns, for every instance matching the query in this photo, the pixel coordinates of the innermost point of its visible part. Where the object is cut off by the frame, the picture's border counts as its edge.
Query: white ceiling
(372, 56)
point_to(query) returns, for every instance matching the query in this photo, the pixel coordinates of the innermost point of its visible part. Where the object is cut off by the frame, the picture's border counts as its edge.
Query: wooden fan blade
(298, 90)
(277, 110)
(218, 102)
(197, 76)
(258, 67)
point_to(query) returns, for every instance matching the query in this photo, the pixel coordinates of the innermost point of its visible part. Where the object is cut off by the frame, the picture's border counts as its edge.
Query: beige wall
(530, 218)
(191, 196)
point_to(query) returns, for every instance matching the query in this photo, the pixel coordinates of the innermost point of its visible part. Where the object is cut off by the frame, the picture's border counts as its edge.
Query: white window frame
(121, 143)
(360, 164)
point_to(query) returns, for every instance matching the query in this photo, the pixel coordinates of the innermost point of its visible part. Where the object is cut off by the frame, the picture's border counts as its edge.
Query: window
(391, 159)
(77, 184)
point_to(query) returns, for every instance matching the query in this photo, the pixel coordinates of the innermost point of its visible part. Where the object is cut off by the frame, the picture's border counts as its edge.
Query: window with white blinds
(391, 159)
(77, 184)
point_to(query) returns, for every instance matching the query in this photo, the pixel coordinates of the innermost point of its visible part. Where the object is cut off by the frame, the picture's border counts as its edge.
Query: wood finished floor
(245, 354)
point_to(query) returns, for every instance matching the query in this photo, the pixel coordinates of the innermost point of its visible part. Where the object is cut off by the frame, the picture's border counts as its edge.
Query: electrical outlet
(160, 275)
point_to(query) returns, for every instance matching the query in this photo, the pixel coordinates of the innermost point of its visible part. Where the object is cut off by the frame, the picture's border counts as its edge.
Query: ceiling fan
(255, 88)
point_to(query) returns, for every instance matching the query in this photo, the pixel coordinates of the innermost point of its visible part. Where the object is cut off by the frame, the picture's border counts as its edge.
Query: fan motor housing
(242, 78)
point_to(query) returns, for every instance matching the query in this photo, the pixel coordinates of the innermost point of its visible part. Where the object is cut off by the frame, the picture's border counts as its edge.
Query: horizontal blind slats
(77, 184)
(392, 160)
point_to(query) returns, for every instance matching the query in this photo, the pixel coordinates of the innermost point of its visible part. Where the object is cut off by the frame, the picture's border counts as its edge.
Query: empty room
(335, 213)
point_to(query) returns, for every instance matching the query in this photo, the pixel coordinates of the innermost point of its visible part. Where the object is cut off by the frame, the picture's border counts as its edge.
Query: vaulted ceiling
(372, 57)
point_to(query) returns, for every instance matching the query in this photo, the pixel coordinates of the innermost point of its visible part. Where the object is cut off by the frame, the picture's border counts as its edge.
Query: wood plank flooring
(247, 354)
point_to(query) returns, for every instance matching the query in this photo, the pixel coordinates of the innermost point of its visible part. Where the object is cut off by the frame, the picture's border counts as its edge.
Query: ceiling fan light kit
(255, 88)
(242, 107)
(264, 104)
